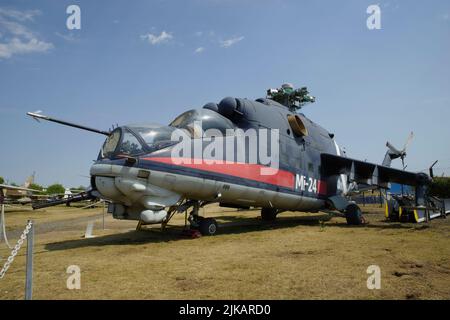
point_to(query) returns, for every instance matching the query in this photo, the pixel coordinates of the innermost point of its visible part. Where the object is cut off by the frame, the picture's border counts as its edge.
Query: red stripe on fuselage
(249, 171)
(280, 178)
(322, 187)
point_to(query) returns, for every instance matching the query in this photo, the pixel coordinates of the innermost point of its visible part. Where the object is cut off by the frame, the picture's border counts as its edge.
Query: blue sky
(141, 61)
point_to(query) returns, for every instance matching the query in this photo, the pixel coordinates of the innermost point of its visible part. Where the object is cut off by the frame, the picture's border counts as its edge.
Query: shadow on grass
(232, 225)
(380, 225)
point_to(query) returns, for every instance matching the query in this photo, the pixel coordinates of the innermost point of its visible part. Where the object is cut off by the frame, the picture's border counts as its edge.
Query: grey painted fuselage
(154, 181)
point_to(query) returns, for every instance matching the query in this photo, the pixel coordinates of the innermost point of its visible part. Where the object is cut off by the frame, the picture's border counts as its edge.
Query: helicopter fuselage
(155, 180)
(239, 153)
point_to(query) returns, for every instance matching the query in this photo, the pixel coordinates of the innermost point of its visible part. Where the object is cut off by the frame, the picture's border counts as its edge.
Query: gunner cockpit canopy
(134, 140)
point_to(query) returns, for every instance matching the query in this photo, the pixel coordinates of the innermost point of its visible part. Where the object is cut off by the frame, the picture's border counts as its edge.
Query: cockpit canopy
(138, 139)
(198, 121)
(134, 140)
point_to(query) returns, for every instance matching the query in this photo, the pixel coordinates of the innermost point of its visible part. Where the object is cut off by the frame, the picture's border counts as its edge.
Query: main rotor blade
(38, 116)
(408, 141)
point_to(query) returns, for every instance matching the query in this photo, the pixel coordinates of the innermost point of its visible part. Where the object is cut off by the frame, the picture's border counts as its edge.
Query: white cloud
(199, 33)
(17, 38)
(229, 42)
(199, 50)
(153, 39)
(18, 46)
(69, 37)
(27, 15)
(16, 29)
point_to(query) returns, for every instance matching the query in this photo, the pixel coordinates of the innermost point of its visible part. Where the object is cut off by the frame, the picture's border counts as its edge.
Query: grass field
(300, 256)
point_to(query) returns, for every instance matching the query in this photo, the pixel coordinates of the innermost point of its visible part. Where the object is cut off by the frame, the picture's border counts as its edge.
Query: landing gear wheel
(353, 215)
(207, 226)
(268, 214)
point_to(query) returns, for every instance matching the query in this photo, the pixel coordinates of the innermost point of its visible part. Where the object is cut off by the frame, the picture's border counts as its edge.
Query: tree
(35, 186)
(80, 188)
(2, 180)
(440, 187)
(55, 189)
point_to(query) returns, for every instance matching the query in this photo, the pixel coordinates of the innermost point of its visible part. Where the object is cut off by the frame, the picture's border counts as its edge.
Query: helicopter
(239, 153)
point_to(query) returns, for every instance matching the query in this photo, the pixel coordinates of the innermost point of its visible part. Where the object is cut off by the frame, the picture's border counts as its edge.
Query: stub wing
(369, 173)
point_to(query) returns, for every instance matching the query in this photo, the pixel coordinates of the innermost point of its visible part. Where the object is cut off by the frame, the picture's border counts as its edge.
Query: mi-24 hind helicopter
(239, 153)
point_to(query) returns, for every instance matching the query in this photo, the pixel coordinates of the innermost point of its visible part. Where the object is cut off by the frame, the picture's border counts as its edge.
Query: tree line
(55, 188)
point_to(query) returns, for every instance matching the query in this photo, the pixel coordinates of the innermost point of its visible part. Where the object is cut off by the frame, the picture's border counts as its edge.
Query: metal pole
(104, 215)
(29, 277)
(3, 226)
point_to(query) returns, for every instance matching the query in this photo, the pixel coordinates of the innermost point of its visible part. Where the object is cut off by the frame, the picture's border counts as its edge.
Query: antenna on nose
(38, 116)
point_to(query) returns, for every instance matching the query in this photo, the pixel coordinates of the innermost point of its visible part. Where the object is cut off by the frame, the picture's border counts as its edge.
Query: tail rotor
(394, 153)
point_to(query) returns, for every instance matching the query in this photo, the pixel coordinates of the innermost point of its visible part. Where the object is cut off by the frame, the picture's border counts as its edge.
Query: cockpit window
(137, 139)
(156, 137)
(201, 119)
(134, 140)
(130, 145)
(183, 119)
(110, 144)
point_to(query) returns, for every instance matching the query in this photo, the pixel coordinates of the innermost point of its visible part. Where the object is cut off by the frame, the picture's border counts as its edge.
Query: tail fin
(29, 181)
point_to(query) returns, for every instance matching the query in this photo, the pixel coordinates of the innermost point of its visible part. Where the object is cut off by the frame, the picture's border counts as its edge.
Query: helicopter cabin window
(198, 120)
(156, 137)
(110, 144)
(130, 145)
(310, 167)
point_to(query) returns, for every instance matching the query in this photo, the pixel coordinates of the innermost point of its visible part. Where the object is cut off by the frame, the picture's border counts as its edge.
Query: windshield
(153, 134)
(134, 140)
(110, 144)
(121, 142)
(155, 137)
(130, 145)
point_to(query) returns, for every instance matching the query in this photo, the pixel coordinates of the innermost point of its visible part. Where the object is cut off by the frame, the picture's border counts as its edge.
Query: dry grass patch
(294, 258)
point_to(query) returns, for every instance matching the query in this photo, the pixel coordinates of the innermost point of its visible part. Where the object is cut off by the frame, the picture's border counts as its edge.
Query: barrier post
(29, 270)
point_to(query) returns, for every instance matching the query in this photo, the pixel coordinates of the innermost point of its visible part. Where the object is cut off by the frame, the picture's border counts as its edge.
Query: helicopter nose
(107, 188)
(124, 187)
(103, 181)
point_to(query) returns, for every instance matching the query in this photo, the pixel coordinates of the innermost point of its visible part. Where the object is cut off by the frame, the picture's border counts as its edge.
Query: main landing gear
(269, 214)
(350, 210)
(206, 226)
(354, 215)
